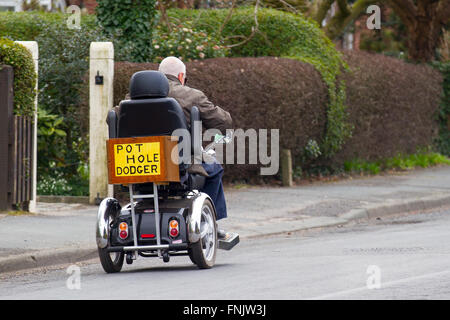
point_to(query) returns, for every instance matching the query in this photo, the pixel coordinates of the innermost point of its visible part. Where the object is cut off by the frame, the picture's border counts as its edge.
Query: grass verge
(399, 162)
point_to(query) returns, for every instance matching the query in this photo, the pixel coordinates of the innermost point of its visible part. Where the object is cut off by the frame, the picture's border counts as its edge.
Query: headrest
(148, 84)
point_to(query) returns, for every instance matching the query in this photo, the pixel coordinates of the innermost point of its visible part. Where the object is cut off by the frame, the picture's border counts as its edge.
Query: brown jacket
(213, 117)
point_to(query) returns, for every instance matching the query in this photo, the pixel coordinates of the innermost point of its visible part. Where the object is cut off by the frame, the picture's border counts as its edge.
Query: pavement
(59, 233)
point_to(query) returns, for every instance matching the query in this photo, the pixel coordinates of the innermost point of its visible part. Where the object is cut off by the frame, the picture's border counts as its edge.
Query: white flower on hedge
(156, 47)
(201, 55)
(188, 40)
(199, 48)
(185, 29)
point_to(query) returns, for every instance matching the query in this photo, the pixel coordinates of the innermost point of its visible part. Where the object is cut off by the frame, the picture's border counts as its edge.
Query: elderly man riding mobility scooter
(167, 215)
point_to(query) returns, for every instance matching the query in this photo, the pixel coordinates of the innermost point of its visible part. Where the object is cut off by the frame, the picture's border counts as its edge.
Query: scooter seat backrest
(149, 112)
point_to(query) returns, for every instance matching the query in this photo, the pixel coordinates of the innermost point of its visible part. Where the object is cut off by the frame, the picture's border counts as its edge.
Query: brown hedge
(391, 104)
(266, 92)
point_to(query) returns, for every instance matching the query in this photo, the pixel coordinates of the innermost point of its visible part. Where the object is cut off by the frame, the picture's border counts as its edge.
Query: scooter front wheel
(203, 252)
(111, 261)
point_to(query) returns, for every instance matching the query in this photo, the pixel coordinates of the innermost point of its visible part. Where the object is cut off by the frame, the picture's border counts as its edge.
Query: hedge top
(18, 57)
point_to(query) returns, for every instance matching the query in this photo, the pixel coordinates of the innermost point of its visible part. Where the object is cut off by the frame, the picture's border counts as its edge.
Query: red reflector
(123, 234)
(151, 235)
(173, 232)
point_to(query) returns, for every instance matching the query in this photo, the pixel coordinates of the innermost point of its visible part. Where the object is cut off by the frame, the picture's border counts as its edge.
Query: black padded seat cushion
(150, 117)
(148, 84)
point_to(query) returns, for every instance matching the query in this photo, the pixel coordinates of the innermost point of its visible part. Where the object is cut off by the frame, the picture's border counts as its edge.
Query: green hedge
(131, 23)
(26, 26)
(20, 59)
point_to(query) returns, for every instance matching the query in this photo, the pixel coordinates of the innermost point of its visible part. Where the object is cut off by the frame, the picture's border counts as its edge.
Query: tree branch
(228, 17)
(254, 28)
(443, 12)
(164, 15)
(289, 7)
(338, 24)
(405, 9)
(322, 10)
(343, 7)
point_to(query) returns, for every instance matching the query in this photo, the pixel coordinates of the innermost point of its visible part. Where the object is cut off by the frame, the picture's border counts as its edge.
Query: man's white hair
(172, 66)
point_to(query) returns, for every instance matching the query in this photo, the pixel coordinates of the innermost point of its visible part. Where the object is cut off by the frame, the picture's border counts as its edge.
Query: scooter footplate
(229, 243)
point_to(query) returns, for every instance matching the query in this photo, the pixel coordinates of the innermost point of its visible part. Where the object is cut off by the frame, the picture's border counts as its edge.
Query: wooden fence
(16, 149)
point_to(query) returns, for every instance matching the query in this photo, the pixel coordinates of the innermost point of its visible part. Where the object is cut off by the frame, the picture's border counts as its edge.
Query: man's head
(174, 67)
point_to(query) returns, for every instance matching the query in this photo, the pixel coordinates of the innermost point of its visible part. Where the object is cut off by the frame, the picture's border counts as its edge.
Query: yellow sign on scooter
(143, 159)
(137, 159)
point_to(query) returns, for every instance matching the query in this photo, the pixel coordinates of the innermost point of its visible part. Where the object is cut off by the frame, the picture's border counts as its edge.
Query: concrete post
(32, 46)
(286, 168)
(100, 101)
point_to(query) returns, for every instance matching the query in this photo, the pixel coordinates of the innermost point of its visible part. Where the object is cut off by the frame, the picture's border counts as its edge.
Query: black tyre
(203, 252)
(111, 261)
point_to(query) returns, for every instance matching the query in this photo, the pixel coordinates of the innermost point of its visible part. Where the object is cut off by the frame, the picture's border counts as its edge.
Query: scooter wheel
(204, 251)
(111, 261)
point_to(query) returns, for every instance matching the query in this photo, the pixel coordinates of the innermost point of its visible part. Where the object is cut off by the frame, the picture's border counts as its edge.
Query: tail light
(123, 227)
(174, 229)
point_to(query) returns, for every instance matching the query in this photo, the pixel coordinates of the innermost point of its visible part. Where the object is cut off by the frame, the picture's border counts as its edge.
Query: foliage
(294, 6)
(281, 34)
(423, 19)
(392, 106)
(26, 26)
(390, 40)
(51, 137)
(312, 149)
(185, 42)
(443, 141)
(32, 5)
(64, 62)
(130, 23)
(20, 59)
(58, 184)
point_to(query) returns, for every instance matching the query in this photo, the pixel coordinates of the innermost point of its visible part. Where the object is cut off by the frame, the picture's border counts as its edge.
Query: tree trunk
(421, 44)
(423, 38)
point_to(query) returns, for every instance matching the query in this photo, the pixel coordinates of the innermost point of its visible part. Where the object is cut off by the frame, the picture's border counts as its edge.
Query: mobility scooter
(167, 214)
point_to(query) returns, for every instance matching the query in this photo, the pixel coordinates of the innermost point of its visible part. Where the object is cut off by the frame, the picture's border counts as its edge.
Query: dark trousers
(214, 188)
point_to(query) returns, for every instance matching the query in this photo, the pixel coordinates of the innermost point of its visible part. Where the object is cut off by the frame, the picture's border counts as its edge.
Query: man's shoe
(222, 234)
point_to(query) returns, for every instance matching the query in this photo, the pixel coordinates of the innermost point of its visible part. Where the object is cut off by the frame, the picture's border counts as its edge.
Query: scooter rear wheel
(203, 252)
(111, 264)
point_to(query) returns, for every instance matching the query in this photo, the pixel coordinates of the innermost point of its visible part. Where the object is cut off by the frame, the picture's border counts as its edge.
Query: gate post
(32, 46)
(101, 76)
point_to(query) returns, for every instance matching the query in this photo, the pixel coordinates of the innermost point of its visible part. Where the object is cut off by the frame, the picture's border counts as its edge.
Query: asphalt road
(406, 257)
